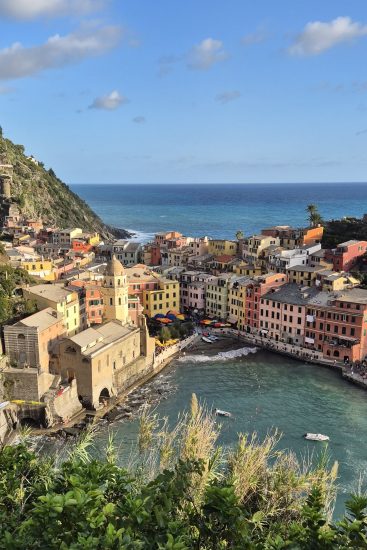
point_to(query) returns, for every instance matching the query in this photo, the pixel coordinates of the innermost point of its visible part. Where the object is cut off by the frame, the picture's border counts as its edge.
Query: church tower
(115, 290)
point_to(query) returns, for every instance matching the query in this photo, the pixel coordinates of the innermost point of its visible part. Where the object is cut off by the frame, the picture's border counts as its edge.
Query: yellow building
(165, 298)
(39, 268)
(237, 302)
(248, 270)
(257, 243)
(59, 298)
(217, 292)
(218, 247)
(332, 281)
(303, 275)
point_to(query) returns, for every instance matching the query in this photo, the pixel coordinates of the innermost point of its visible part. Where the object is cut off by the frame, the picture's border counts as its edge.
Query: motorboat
(316, 437)
(213, 338)
(207, 340)
(219, 412)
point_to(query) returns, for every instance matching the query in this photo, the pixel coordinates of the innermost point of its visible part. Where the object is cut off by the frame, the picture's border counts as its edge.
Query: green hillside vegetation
(41, 194)
(181, 492)
(13, 305)
(340, 231)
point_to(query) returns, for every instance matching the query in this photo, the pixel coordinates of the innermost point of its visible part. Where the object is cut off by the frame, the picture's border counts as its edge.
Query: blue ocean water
(219, 210)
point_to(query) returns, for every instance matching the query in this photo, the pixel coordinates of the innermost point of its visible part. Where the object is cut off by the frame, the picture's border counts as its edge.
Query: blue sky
(171, 91)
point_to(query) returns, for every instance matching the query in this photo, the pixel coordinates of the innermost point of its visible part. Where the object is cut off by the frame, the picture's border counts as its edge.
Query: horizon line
(226, 183)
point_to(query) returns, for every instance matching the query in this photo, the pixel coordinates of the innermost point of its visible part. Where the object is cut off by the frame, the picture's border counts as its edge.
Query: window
(111, 302)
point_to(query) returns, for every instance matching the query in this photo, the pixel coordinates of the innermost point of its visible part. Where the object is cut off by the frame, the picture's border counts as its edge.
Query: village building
(291, 238)
(106, 360)
(256, 245)
(61, 299)
(217, 291)
(256, 288)
(336, 324)
(283, 313)
(218, 247)
(163, 299)
(345, 256)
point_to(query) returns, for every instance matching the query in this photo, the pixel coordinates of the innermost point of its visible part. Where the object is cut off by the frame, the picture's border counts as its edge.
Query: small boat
(213, 338)
(4, 404)
(219, 412)
(316, 437)
(207, 340)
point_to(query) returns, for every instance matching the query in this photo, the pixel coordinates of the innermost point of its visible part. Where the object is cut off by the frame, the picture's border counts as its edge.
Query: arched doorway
(29, 422)
(104, 396)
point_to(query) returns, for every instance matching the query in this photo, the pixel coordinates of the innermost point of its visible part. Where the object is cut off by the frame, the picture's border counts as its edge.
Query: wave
(140, 236)
(221, 356)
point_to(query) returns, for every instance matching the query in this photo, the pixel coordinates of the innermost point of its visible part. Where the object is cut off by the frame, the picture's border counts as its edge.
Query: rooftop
(56, 293)
(291, 293)
(93, 340)
(42, 319)
(349, 243)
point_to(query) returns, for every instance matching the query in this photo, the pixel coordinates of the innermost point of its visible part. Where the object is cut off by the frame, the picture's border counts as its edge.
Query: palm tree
(239, 235)
(314, 216)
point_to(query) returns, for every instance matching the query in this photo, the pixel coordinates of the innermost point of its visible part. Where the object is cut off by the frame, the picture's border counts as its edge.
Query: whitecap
(221, 356)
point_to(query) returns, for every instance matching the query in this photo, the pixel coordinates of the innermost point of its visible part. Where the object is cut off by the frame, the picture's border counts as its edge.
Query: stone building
(6, 178)
(106, 360)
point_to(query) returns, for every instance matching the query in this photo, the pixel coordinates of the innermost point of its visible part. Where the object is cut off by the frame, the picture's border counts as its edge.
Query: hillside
(339, 231)
(39, 193)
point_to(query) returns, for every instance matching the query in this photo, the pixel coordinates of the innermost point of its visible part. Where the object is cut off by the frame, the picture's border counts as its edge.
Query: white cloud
(139, 119)
(109, 102)
(18, 61)
(31, 9)
(206, 54)
(318, 36)
(226, 97)
(254, 38)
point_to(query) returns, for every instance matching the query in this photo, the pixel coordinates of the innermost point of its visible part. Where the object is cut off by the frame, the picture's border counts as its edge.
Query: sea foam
(221, 356)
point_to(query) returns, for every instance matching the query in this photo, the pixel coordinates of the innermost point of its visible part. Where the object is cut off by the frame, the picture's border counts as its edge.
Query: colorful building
(57, 297)
(345, 256)
(165, 298)
(283, 313)
(218, 247)
(336, 324)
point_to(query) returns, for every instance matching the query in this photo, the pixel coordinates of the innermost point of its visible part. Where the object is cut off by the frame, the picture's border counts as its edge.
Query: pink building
(283, 313)
(254, 291)
(344, 257)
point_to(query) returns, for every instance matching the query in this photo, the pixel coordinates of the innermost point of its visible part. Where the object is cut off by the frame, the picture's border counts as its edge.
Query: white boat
(219, 412)
(316, 437)
(207, 340)
(4, 404)
(213, 338)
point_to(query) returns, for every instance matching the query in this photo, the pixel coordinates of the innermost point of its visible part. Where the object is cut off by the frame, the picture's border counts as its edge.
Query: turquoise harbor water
(265, 391)
(219, 210)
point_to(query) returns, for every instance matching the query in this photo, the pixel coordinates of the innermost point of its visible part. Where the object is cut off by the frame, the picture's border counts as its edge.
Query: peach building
(336, 324)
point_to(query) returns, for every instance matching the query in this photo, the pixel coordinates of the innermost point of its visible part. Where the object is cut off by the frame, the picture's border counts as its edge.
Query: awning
(232, 319)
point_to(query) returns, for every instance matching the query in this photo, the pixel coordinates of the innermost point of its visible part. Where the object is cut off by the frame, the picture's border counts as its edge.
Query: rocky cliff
(39, 193)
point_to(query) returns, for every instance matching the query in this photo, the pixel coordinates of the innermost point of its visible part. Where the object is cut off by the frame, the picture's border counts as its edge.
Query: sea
(217, 210)
(262, 390)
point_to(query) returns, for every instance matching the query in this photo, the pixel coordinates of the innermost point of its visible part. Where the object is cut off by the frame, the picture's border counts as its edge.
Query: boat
(4, 404)
(213, 338)
(316, 437)
(219, 412)
(207, 340)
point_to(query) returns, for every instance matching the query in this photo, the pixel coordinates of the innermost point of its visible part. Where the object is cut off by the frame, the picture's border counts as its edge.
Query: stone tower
(6, 177)
(115, 292)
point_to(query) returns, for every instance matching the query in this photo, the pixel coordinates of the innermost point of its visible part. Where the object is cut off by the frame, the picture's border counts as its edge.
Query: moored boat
(207, 340)
(219, 412)
(316, 437)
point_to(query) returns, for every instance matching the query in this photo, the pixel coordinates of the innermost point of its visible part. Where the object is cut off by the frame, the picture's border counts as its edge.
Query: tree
(314, 216)
(239, 235)
(164, 334)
